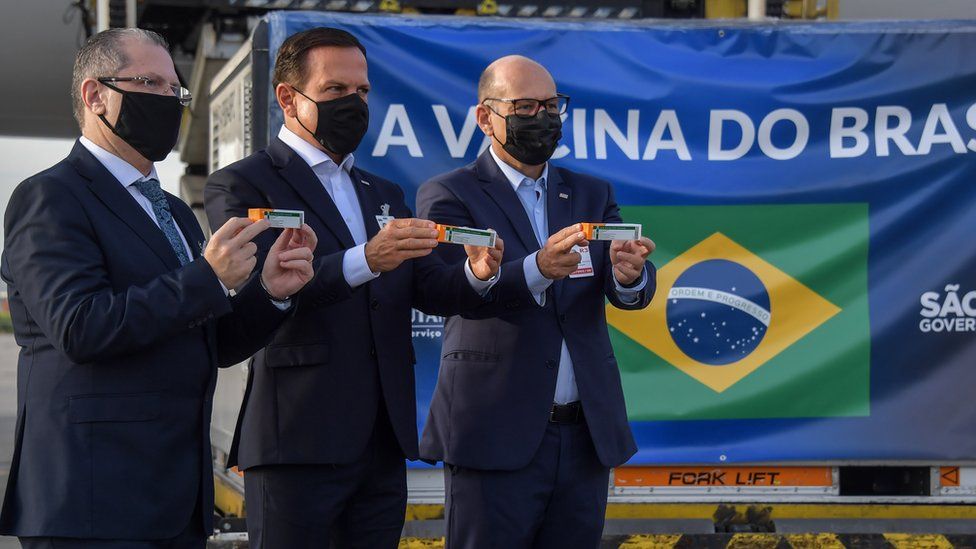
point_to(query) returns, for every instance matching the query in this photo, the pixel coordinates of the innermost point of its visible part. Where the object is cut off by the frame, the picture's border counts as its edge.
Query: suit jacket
(498, 375)
(312, 395)
(119, 346)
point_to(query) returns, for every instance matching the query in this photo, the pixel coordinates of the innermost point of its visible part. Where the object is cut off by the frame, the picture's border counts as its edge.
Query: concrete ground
(8, 416)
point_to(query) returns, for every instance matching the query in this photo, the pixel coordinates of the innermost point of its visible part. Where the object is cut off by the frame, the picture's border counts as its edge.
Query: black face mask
(342, 122)
(532, 140)
(149, 123)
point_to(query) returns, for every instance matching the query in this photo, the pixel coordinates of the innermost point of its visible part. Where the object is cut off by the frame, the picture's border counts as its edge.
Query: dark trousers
(192, 537)
(558, 500)
(360, 504)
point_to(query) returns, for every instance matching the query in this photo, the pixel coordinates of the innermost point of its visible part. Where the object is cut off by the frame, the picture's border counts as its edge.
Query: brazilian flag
(760, 312)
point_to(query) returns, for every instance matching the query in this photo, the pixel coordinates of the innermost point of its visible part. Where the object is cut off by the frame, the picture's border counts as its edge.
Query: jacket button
(372, 351)
(375, 304)
(562, 317)
(550, 364)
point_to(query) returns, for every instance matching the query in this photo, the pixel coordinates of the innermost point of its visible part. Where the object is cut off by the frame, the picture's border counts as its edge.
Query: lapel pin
(563, 195)
(364, 182)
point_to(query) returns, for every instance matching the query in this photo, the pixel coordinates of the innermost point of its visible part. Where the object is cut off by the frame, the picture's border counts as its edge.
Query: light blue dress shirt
(532, 195)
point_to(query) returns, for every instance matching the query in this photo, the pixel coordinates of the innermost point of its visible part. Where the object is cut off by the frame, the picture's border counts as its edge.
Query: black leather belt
(569, 413)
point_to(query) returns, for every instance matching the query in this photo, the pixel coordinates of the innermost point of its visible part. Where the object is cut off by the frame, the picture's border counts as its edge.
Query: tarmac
(8, 416)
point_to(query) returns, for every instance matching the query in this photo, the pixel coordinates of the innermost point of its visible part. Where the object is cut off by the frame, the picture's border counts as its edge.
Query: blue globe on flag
(718, 312)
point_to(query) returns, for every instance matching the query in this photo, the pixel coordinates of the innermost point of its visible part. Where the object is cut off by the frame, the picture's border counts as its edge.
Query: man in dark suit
(528, 414)
(122, 314)
(329, 413)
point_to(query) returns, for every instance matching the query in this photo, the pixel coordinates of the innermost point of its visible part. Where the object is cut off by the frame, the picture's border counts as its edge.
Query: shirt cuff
(534, 279)
(282, 305)
(630, 295)
(355, 269)
(481, 287)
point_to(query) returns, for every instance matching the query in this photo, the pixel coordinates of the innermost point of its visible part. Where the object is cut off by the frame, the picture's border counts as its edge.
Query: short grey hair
(104, 55)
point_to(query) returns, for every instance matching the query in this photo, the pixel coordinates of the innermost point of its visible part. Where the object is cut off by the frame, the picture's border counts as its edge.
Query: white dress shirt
(339, 184)
(566, 389)
(127, 174)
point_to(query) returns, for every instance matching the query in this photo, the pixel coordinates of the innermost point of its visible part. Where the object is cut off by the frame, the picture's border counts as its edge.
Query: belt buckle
(575, 407)
(577, 410)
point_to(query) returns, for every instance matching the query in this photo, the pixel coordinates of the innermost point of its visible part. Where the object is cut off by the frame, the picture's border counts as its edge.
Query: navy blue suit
(119, 349)
(490, 410)
(336, 384)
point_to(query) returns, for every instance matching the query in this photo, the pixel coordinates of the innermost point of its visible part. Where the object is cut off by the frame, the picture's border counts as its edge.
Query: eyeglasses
(527, 108)
(148, 84)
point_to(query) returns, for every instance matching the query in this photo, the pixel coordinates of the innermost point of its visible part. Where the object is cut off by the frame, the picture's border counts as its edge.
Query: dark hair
(290, 66)
(104, 55)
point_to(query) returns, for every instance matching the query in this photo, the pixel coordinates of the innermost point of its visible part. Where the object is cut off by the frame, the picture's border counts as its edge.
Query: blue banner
(811, 189)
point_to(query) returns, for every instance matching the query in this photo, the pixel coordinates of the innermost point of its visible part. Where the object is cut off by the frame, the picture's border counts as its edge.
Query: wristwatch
(280, 303)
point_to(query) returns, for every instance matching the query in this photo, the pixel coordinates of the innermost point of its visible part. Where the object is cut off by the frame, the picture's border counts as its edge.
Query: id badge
(585, 267)
(384, 218)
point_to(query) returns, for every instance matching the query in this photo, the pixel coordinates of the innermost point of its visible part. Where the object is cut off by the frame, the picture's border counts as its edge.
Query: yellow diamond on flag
(721, 312)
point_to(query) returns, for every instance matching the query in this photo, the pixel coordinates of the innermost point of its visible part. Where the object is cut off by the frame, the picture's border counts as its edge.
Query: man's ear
(483, 115)
(92, 97)
(286, 100)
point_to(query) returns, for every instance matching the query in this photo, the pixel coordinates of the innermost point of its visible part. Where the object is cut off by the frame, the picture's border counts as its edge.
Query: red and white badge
(585, 267)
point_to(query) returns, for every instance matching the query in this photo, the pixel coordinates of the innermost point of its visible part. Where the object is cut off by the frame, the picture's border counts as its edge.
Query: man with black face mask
(330, 411)
(528, 415)
(122, 312)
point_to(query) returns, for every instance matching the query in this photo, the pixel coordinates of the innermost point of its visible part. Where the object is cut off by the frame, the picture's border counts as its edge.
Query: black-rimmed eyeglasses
(527, 108)
(148, 84)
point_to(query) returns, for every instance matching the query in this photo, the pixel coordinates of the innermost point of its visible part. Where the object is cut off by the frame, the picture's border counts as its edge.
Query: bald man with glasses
(528, 414)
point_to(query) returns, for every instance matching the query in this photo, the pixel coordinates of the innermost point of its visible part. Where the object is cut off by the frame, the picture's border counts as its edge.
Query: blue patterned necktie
(150, 189)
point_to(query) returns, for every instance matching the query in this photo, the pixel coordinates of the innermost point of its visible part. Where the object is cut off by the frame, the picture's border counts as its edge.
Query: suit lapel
(300, 176)
(117, 199)
(369, 202)
(559, 202)
(499, 189)
(559, 209)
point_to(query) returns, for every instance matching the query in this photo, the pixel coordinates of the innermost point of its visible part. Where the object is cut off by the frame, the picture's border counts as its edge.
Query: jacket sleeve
(611, 214)
(228, 194)
(250, 326)
(54, 258)
(437, 203)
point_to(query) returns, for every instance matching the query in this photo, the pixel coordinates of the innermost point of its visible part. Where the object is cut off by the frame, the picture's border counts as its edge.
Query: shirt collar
(516, 177)
(126, 173)
(312, 155)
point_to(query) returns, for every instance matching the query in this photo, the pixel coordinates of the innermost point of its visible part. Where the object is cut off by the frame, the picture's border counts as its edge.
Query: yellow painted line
(421, 511)
(753, 541)
(660, 510)
(421, 543)
(915, 541)
(863, 511)
(227, 499)
(649, 541)
(814, 541)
